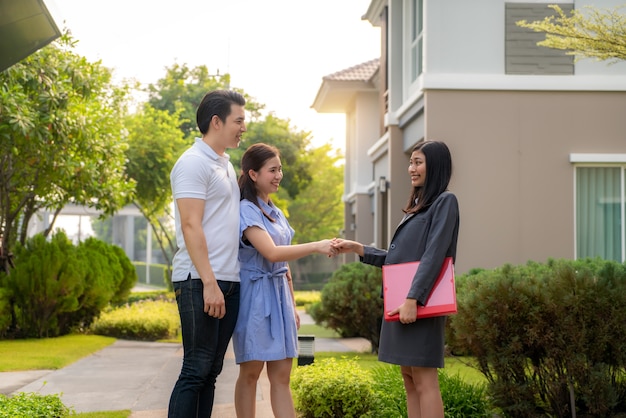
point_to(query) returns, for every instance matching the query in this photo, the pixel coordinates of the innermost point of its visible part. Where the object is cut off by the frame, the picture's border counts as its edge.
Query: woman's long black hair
(438, 175)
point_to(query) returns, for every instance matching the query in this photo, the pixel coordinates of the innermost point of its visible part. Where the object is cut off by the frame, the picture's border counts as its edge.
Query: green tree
(293, 146)
(154, 144)
(181, 90)
(317, 212)
(60, 139)
(600, 34)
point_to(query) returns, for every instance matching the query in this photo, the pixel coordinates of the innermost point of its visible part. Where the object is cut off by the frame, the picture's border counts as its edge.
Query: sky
(277, 51)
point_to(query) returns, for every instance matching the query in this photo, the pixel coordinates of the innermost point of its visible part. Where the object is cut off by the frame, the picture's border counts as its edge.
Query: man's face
(234, 126)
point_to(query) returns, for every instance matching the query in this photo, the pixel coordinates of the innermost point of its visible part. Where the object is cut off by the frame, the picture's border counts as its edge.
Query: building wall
(512, 173)
(362, 130)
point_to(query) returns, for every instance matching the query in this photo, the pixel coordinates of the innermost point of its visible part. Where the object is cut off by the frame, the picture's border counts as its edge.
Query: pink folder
(397, 279)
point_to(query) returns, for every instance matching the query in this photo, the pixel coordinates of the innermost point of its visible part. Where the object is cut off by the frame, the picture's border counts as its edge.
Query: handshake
(335, 246)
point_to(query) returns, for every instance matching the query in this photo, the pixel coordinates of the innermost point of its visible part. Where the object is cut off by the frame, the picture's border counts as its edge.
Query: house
(538, 140)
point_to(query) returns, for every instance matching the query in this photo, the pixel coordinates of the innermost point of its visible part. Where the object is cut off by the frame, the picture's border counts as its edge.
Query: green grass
(48, 353)
(105, 414)
(465, 368)
(319, 332)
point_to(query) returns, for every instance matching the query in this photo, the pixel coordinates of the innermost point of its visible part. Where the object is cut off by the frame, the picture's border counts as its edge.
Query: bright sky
(277, 51)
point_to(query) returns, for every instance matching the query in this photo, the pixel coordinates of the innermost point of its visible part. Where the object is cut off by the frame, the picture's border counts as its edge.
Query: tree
(293, 147)
(601, 35)
(60, 139)
(181, 90)
(154, 144)
(317, 212)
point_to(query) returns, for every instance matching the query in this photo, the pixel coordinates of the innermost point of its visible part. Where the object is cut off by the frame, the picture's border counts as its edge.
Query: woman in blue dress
(267, 326)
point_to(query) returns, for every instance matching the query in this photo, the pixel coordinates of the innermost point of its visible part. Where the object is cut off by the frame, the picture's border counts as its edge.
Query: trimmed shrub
(333, 389)
(153, 295)
(45, 284)
(128, 278)
(109, 278)
(56, 287)
(549, 338)
(145, 321)
(351, 303)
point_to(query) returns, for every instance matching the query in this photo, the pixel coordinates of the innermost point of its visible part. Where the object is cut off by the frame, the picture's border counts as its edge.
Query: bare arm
(191, 211)
(264, 244)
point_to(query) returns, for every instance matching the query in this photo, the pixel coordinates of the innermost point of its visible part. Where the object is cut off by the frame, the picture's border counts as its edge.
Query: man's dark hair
(216, 103)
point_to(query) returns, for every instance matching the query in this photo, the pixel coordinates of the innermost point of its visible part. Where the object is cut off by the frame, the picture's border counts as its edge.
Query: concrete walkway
(139, 376)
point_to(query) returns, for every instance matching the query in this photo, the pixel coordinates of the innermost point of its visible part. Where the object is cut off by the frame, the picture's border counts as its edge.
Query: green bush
(33, 405)
(128, 278)
(389, 388)
(333, 389)
(306, 297)
(145, 321)
(153, 295)
(460, 399)
(109, 278)
(547, 336)
(351, 303)
(45, 284)
(56, 287)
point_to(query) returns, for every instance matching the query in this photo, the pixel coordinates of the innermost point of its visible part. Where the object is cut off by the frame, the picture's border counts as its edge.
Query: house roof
(360, 72)
(339, 89)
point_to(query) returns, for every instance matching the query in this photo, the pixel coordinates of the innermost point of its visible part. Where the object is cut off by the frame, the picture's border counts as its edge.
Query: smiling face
(268, 178)
(234, 126)
(417, 169)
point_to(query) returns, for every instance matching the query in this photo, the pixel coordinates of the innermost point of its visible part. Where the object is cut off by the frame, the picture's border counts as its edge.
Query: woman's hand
(325, 247)
(347, 246)
(407, 311)
(297, 319)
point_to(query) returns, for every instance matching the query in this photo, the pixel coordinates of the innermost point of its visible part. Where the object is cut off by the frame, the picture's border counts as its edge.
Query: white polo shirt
(200, 173)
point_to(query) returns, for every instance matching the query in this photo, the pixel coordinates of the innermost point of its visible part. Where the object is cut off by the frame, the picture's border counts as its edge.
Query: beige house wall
(512, 173)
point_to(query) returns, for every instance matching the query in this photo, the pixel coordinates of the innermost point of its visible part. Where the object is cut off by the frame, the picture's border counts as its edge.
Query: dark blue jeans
(205, 340)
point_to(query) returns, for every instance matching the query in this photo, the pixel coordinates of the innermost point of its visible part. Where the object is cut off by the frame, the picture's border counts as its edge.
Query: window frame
(601, 161)
(413, 54)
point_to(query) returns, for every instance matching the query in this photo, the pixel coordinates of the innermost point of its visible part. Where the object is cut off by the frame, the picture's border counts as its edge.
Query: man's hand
(214, 304)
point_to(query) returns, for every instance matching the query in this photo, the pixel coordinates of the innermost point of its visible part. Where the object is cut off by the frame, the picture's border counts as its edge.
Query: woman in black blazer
(428, 233)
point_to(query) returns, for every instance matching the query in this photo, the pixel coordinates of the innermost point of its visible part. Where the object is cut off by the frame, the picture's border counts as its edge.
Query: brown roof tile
(360, 72)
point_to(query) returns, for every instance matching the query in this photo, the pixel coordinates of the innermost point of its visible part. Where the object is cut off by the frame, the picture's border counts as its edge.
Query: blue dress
(266, 326)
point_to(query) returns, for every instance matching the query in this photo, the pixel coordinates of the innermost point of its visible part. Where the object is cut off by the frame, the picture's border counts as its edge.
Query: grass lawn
(48, 353)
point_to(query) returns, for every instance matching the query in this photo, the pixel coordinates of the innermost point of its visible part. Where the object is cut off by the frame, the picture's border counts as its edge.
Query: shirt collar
(210, 152)
(269, 209)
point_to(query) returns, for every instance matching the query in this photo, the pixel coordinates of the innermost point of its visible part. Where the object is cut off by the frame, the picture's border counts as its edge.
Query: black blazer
(428, 237)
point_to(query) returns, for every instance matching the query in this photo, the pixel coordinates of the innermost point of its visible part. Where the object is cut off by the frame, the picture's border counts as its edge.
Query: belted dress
(266, 326)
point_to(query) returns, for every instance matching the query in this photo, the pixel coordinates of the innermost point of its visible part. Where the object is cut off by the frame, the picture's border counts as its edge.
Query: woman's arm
(264, 244)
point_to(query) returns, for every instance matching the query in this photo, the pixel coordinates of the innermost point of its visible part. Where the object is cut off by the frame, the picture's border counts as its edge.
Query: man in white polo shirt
(205, 268)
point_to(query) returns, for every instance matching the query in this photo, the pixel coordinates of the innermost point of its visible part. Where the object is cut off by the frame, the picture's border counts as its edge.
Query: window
(523, 55)
(413, 12)
(417, 42)
(600, 211)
